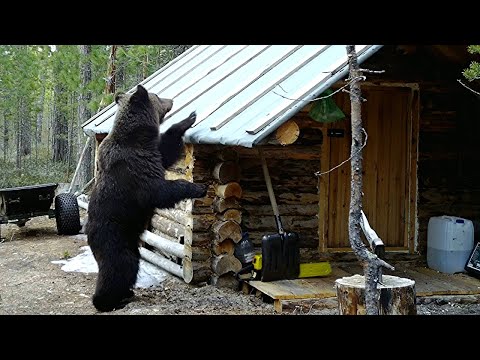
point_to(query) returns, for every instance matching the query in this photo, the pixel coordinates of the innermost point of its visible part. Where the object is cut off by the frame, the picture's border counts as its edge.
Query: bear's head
(146, 104)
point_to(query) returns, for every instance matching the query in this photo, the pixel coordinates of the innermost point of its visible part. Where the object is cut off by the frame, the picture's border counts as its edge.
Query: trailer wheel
(67, 214)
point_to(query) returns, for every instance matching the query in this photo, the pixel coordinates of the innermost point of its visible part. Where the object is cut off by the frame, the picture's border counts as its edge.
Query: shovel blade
(280, 257)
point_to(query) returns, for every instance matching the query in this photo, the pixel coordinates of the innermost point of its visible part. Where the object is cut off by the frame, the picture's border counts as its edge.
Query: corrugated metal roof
(241, 93)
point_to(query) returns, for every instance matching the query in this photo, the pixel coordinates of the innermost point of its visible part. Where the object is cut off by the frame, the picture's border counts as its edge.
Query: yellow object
(306, 270)
(257, 262)
(315, 269)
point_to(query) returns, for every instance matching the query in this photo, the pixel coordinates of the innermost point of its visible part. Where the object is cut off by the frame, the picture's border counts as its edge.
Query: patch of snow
(84, 262)
(148, 276)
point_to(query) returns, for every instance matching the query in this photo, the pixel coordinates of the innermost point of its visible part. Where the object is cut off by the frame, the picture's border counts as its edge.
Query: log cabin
(420, 159)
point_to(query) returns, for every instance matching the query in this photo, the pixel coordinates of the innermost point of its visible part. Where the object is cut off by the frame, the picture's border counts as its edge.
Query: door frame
(411, 227)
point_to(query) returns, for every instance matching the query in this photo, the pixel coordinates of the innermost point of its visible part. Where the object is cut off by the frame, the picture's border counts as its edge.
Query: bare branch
(372, 71)
(356, 78)
(469, 88)
(379, 262)
(348, 92)
(280, 86)
(385, 264)
(322, 97)
(344, 161)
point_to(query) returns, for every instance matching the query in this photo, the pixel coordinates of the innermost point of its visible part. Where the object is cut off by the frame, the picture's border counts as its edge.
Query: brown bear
(130, 184)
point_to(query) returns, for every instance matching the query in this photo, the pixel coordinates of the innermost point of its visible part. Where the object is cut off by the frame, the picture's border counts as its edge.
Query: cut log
(178, 215)
(264, 223)
(225, 281)
(272, 151)
(170, 228)
(184, 271)
(231, 189)
(204, 205)
(261, 197)
(284, 210)
(225, 247)
(82, 204)
(187, 267)
(223, 264)
(227, 171)
(161, 262)
(201, 239)
(185, 205)
(201, 254)
(220, 205)
(226, 230)
(397, 296)
(172, 248)
(231, 214)
(201, 271)
(227, 154)
(287, 134)
(310, 137)
(307, 239)
(203, 222)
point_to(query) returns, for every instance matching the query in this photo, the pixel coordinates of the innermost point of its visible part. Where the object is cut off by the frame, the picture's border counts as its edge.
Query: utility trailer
(20, 204)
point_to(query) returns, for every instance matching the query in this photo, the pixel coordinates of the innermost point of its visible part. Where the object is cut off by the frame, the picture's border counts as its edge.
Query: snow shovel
(280, 252)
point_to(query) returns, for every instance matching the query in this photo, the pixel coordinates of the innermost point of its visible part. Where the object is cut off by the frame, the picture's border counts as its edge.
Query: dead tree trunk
(6, 137)
(111, 83)
(60, 124)
(84, 113)
(371, 263)
(39, 121)
(25, 129)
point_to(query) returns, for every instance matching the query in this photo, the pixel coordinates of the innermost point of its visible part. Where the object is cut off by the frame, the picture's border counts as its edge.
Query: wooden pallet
(428, 282)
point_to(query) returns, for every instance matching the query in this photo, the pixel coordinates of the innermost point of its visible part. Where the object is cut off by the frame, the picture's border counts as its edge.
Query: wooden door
(388, 178)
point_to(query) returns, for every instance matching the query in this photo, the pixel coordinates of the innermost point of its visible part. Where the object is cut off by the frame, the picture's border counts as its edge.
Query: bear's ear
(140, 95)
(118, 97)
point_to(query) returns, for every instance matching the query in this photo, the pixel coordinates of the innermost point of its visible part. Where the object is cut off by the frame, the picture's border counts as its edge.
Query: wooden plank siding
(387, 118)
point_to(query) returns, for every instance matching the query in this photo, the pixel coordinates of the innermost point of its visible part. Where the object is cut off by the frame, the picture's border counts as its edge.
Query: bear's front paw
(188, 122)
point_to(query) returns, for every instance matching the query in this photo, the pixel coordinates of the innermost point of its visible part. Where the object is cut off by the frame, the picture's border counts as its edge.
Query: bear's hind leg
(116, 277)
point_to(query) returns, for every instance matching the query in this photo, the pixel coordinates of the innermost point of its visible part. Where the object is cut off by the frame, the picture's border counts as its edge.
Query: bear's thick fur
(130, 184)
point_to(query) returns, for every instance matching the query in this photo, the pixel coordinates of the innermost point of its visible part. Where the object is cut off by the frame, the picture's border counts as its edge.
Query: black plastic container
(244, 250)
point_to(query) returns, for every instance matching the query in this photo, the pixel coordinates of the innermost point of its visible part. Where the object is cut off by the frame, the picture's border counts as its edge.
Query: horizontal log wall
(295, 188)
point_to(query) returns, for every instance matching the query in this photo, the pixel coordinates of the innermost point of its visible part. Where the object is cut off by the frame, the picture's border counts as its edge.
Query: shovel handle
(268, 181)
(279, 225)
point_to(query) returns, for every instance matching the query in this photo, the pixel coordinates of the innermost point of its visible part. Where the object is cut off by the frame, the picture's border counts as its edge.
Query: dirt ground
(30, 284)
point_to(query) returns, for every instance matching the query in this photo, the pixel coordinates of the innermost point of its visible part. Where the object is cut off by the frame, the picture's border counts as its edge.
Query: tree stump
(397, 296)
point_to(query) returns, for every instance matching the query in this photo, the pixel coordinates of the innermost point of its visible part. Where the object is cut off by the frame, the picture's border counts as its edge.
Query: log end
(388, 281)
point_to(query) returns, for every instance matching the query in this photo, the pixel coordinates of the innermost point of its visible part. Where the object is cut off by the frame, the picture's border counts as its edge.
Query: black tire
(67, 214)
